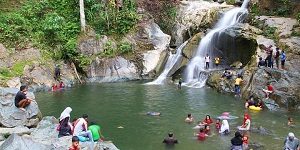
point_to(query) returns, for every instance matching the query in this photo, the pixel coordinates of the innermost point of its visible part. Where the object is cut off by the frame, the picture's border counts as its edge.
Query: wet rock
(193, 17)
(11, 116)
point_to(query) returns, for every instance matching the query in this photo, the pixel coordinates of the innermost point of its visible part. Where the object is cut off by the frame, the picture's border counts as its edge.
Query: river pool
(125, 104)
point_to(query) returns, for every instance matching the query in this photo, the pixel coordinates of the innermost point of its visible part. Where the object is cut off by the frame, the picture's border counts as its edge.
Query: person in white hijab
(224, 127)
(65, 127)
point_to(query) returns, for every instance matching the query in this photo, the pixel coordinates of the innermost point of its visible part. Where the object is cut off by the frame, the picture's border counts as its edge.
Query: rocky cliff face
(285, 82)
(27, 66)
(193, 17)
(150, 46)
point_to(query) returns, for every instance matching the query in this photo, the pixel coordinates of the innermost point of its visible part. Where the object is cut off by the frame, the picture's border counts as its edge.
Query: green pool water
(125, 104)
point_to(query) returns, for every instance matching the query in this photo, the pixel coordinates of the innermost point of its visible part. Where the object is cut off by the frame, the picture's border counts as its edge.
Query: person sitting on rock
(21, 100)
(65, 127)
(189, 118)
(96, 132)
(75, 143)
(170, 140)
(81, 128)
(269, 90)
(261, 62)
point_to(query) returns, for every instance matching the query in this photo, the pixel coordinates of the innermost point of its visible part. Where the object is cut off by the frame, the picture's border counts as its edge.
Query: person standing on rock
(282, 58)
(207, 60)
(276, 57)
(217, 61)
(21, 100)
(237, 85)
(57, 73)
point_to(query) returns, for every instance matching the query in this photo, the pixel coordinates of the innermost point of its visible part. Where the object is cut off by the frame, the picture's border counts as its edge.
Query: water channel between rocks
(125, 104)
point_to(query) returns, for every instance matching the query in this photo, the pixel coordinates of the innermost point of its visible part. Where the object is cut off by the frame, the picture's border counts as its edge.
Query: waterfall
(195, 73)
(171, 65)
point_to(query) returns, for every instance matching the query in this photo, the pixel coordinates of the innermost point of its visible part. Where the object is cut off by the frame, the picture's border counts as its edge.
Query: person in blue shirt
(282, 58)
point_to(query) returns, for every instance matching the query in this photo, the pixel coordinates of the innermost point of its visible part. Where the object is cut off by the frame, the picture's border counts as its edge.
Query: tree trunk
(82, 15)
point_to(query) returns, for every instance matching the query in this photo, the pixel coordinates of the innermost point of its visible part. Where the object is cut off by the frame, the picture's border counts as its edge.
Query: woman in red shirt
(207, 120)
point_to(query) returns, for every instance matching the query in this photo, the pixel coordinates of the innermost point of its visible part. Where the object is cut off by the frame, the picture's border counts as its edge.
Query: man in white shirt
(81, 128)
(207, 60)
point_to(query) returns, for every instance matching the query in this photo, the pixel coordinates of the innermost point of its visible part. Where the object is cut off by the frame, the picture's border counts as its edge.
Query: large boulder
(11, 116)
(292, 45)
(236, 43)
(160, 41)
(193, 17)
(115, 69)
(16, 142)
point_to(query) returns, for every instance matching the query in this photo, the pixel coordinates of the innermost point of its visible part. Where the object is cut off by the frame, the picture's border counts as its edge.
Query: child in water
(245, 141)
(201, 135)
(189, 118)
(75, 143)
(291, 122)
(207, 129)
(218, 124)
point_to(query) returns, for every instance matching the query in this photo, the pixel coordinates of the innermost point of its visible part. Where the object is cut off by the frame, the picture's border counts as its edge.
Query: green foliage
(167, 17)
(106, 18)
(298, 17)
(111, 50)
(125, 48)
(270, 32)
(53, 26)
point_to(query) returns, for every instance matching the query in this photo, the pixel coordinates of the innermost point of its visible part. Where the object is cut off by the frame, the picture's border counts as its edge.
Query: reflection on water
(126, 104)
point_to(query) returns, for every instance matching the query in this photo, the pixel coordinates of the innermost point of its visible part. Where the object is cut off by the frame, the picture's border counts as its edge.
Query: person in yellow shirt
(217, 61)
(237, 85)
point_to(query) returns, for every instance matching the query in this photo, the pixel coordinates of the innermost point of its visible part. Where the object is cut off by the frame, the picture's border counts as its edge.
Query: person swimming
(189, 118)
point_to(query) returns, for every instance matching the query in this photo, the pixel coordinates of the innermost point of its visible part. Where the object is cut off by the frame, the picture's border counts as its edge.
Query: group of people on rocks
(78, 128)
(269, 60)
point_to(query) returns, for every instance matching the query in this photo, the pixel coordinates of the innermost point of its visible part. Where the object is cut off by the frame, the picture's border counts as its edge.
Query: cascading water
(171, 63)
(195, 73)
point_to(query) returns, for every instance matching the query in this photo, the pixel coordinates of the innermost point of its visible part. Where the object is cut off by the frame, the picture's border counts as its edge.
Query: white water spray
(172, 62)
(195, 73)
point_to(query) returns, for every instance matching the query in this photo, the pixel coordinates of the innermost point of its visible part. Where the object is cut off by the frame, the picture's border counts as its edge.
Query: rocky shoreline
(29, 130)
